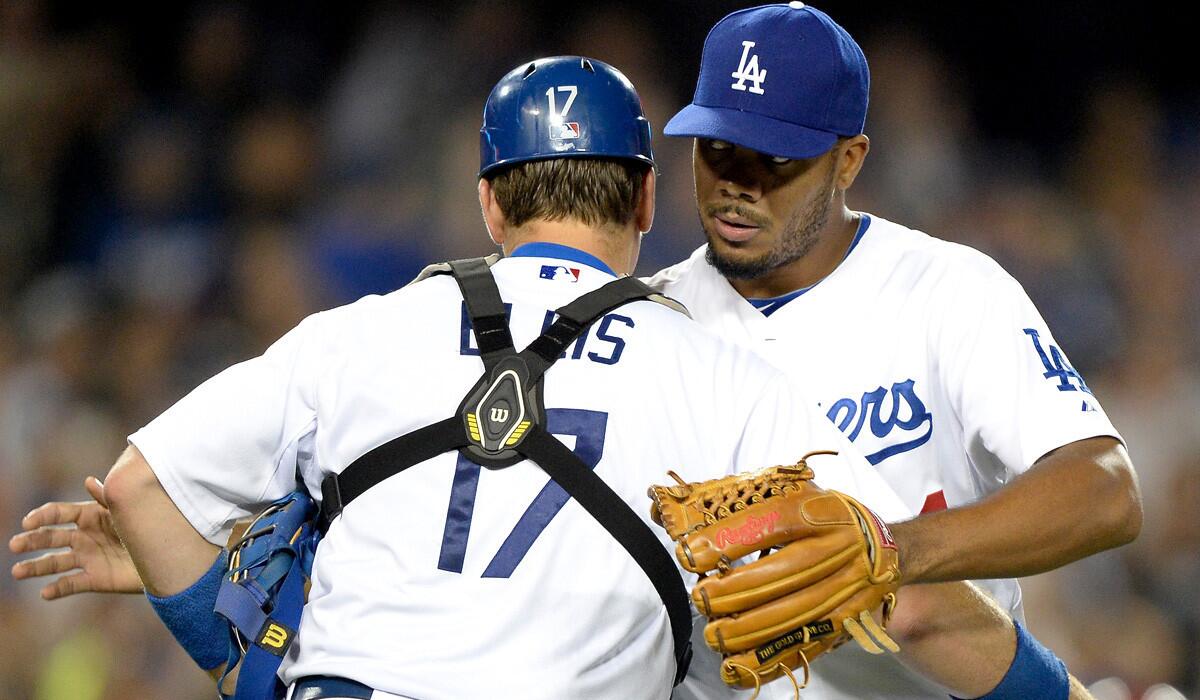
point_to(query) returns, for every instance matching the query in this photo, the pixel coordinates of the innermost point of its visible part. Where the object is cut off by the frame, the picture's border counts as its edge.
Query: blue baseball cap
(779, 79)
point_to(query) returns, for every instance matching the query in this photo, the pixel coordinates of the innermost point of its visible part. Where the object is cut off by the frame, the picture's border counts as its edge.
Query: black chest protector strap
(501, 421)
(489, 318)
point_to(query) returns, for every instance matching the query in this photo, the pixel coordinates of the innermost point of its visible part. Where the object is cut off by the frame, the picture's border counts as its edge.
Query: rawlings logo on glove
(826, 564)
(750, 533)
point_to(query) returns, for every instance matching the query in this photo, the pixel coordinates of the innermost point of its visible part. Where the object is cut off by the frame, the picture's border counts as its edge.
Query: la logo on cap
(820, 64)
(748, 70)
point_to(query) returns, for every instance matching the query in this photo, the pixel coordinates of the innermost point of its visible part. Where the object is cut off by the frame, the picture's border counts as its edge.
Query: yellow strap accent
(516, 436)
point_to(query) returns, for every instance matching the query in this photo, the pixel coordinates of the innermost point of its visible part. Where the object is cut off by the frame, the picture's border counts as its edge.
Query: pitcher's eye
(780, 160)
(717, 145)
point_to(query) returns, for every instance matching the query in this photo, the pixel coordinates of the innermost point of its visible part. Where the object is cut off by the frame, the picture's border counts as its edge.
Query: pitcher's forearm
(1080, 499)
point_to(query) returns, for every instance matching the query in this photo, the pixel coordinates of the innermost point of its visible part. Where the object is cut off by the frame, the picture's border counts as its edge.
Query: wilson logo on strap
(275, 638)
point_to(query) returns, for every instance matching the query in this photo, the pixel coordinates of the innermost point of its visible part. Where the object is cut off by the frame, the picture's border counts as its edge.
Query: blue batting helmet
(566, 106)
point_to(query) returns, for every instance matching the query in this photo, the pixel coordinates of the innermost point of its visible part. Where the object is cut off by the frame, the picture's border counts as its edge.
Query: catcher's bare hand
(85, 529)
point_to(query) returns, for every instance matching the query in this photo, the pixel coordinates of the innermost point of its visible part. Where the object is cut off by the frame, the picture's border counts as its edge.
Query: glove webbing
(489, 323)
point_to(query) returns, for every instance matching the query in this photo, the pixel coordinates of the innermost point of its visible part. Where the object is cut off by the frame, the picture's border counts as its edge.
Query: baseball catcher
(826, 565)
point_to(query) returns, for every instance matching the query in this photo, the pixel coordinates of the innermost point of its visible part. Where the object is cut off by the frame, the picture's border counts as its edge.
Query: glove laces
(865, 627)
(796, 685)
(738, 493)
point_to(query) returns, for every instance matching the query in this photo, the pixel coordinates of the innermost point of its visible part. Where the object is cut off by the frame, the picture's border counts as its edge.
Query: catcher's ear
(493, 215)
(644, 212)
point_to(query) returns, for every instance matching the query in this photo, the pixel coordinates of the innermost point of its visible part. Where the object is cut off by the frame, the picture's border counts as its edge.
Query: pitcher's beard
(799, 237)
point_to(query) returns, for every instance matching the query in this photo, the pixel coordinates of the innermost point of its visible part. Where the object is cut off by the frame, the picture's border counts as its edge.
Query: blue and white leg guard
(263, 594)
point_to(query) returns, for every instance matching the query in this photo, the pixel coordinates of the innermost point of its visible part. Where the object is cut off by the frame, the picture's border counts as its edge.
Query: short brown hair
(594, 191)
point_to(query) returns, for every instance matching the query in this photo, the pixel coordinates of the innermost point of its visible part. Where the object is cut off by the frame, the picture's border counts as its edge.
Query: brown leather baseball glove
(827, 563)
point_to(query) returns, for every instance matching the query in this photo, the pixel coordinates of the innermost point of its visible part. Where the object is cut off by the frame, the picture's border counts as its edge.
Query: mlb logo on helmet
(549, 108)
(559, 272)
(570, 130)
(817, 89)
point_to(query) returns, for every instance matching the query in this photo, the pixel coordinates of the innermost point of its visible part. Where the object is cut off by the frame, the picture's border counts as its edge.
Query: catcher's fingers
(820, 609)
(95, 489)
(41, 538)
(794, 567)
(54, 563)
(54, 513)
(64, 586)
(767, 524)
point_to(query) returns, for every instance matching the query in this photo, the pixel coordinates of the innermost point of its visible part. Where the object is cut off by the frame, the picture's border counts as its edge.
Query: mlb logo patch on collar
(559, 272)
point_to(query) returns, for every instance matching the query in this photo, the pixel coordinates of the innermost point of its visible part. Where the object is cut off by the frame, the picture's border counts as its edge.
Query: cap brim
(750, 130)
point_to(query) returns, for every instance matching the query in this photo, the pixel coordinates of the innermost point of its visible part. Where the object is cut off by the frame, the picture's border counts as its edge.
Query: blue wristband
(1035, 674)
(189, 616)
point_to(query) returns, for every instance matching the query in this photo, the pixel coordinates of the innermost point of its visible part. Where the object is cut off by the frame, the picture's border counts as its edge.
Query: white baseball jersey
(933, 361)
(452, 581)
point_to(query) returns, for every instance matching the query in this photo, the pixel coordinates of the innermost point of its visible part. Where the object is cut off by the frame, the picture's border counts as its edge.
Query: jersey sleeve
(235, 442)
(784, 425)
(1010, 384)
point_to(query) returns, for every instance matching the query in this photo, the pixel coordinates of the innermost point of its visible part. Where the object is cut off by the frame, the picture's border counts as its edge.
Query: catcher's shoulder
(348, 324)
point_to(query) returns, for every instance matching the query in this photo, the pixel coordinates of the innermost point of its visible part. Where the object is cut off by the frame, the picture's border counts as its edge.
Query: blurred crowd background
(180, 185)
